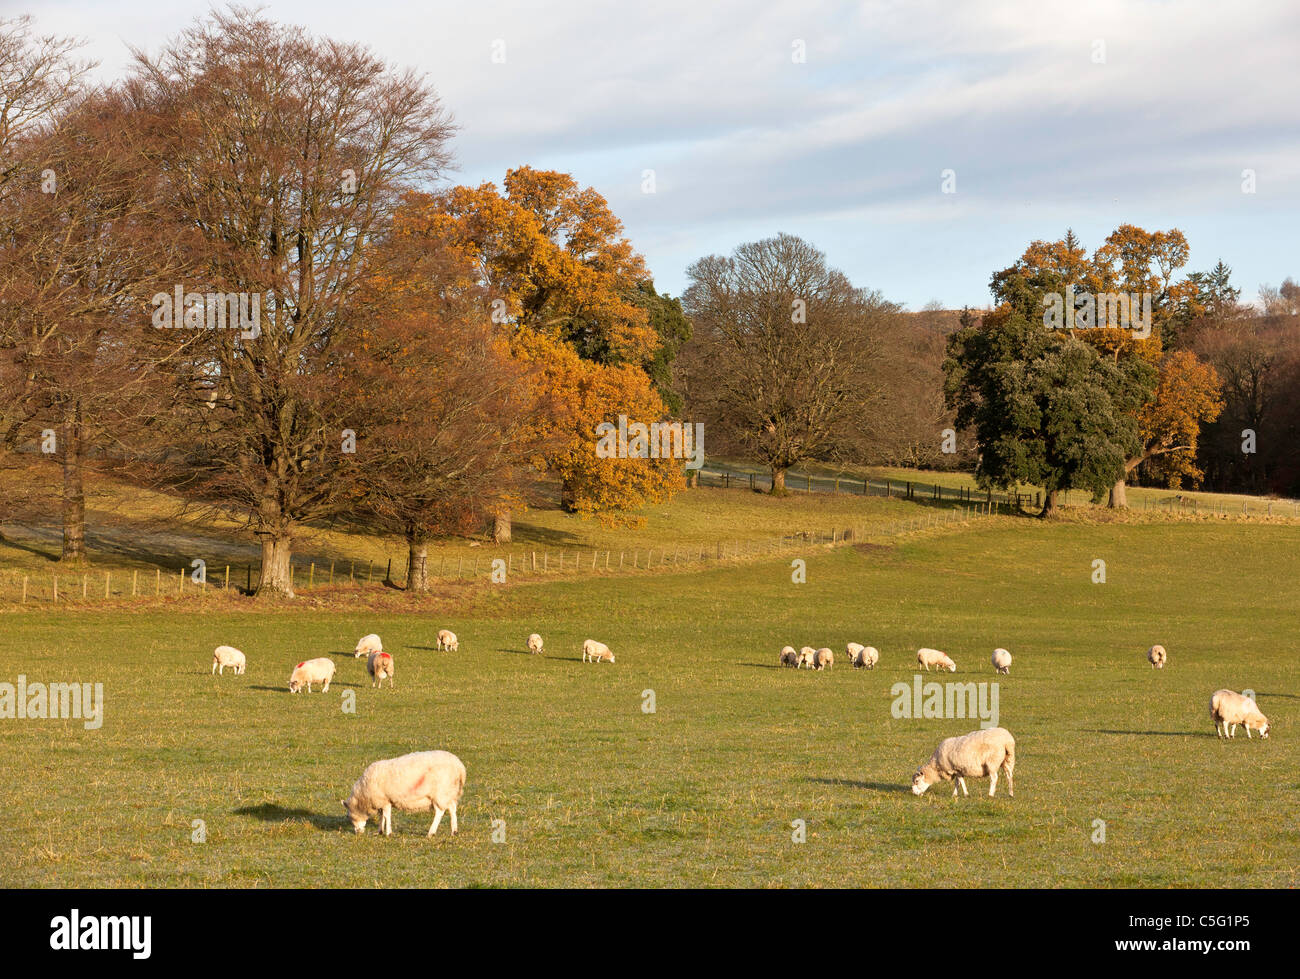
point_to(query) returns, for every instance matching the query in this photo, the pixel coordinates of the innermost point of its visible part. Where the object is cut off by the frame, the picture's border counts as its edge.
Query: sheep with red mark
(319, 670)
(417, 782)
(380, 667)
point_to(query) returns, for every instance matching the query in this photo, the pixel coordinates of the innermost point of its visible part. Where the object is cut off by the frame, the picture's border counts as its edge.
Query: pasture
(590, 790)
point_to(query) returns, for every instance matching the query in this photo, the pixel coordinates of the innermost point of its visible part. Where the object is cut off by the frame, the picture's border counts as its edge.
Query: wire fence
(94, 588)
(725, 477)
(902, 489)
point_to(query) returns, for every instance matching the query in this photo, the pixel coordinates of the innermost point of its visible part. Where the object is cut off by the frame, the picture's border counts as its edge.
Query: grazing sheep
(535, 644)
(224, 656)
(319, 670)
(852, 649)
(933, 657)
(1002, 660)
(789, 657)
(367, 645)
(417, 782)
(866, 658)
(807, 657)
(596, 652)
(1156, 656)
(973, 755)
(380, 666)
(1227, 707)
(447, 640)
(825, 659)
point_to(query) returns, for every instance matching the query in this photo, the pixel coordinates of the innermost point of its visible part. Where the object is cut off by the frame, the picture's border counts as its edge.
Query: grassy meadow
(581, 787)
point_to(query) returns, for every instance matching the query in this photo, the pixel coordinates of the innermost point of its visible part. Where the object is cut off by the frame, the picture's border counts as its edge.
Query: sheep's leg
(1233, 732)
(962, 782)
(437, 818)
(1248, 734)
(1011, 788)
(453, 819)
(993, 782)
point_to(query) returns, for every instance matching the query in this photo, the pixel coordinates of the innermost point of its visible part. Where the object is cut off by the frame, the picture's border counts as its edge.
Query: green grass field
(592, 791)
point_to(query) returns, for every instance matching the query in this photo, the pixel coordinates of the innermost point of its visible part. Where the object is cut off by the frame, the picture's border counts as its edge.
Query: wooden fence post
(24, 589)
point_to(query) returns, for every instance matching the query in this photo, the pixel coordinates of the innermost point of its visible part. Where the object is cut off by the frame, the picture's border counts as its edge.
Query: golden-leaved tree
(562, 281)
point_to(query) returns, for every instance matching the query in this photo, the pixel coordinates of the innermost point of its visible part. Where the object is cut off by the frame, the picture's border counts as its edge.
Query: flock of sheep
(981, 754)
(866, 657)
(415, 782)
(424, 780)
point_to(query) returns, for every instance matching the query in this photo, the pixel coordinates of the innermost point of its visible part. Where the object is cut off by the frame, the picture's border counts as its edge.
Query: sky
(839, 122)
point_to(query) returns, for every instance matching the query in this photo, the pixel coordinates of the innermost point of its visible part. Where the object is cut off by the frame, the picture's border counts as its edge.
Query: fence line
(902, 489)
(915, 490)
(74, 589)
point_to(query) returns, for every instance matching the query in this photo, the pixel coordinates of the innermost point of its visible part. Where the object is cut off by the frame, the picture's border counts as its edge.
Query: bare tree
(288, 154)
(782, 362)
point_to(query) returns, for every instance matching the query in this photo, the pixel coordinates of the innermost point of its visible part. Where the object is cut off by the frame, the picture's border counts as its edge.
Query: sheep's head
(295, 685)
(1263, 729)
(919, 784)
(355, 816)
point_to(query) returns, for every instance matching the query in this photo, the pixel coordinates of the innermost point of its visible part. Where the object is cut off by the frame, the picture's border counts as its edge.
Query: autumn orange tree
(564, 284)
(1135, 262)
(441, 409)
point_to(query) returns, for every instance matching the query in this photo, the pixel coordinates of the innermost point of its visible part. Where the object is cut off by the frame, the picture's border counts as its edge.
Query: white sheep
(380, 667)
(1156, 657)
(933, 657)
(319, 670)
(447, 640)
(973, 755)
(807, 657)
(789, 657)
(417, 782)
(367, 645)
(224, 656)
(596, 652)
(866, 657)
(535, 644)
(824, 659)
(1227, 707)
(1001, 660)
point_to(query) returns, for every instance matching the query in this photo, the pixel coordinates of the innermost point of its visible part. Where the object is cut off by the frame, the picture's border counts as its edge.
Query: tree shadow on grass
(427, 649)
(1265, 693)
(853, 784)
(269, 812)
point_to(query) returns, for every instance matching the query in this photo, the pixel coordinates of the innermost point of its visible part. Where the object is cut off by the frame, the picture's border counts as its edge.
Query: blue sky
(1052, 115)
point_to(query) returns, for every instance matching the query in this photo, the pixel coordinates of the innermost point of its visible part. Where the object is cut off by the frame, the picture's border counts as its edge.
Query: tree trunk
(568, 498)
(1118, 495)
(277, 576)
(417, 574)
(501, 527)
(74, 495)
(778, 481)
(1049, 503)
